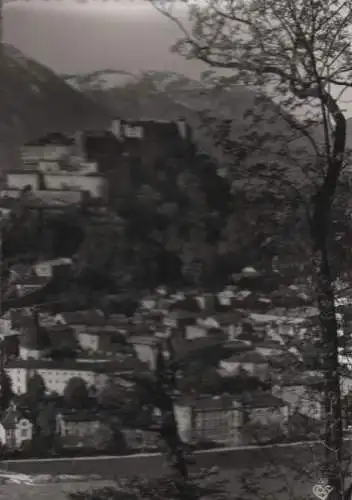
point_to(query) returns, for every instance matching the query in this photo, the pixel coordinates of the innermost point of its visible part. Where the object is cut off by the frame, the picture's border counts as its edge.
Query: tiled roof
(21, 269)
(187, 305)
(247, 357)
(268, 343)
(208, 403)
(80, 416)
(237, 346)
(88, 317)
(261, 400)
(250, 336)
(268, 318)
(302, 379)
(178, 314)
(116, 321)
(143, 340)
(31, 281)
(184, 347)
(117, 317)
(284, 360)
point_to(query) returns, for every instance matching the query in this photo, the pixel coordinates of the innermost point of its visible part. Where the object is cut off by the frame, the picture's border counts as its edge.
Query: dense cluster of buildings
(270, 392)
(258, 346)
(60, 170)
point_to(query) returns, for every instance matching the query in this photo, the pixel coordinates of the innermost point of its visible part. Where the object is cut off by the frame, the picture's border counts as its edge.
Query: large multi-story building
(217, 419)
(100, 164)
(55, 172)
(93, 184)
(135, 150)
(56, 375)
(230, 420)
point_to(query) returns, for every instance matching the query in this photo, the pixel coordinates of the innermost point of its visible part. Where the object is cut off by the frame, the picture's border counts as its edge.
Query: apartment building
(231, 420)
(93, 184)
(45, 197)
(217, 419)
(18, 180)
(32, 154)
(82, 322)
(56, 375)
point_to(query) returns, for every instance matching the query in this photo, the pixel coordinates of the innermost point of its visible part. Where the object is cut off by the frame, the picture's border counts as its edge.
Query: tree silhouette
(295, 51)
(76, 394)
(6, 392)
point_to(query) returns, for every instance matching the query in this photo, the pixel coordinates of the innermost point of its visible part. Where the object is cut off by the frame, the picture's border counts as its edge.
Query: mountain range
(34, 101)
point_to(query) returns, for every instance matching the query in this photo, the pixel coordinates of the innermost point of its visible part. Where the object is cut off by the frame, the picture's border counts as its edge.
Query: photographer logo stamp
(322, 490)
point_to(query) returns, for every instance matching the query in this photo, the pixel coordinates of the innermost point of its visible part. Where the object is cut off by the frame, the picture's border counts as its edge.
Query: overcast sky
(71, 37)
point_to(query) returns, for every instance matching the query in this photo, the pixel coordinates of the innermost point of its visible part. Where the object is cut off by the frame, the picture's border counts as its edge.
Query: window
(136, 132)
(24, 432)
(215, 425)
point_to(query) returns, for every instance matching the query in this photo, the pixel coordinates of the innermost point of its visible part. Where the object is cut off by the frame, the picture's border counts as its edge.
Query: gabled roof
(260, 400)
(237, 346)
(87, 317)
(187, 305)
(79, 416)
(304, 379)
(269, 344)
(247, 357)
(38, 281)
(185, 347)
(207, 403)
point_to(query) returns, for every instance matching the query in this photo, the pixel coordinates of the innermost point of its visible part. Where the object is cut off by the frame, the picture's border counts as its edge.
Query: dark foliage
(6, 392)
(76, 394)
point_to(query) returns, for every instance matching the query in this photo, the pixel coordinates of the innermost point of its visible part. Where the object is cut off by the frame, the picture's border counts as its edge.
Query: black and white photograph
(175, 231)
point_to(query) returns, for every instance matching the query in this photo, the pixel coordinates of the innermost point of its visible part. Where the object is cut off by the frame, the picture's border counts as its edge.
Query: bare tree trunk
(321, 232)
(169, 430)
(332, 398)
